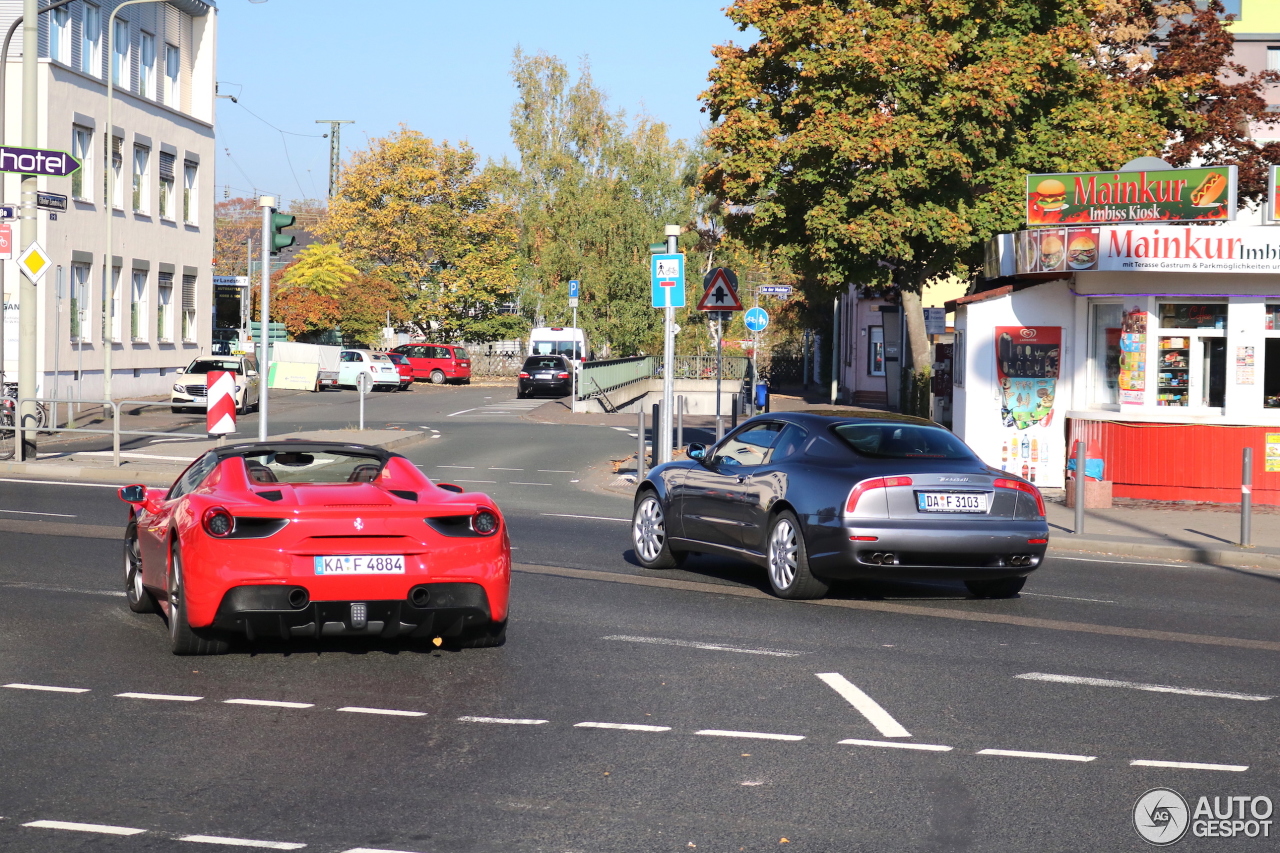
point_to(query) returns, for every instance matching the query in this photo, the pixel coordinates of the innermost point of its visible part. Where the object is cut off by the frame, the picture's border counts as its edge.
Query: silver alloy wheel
(783, 549)
(648, 529)
(175, 594)
(133, 568)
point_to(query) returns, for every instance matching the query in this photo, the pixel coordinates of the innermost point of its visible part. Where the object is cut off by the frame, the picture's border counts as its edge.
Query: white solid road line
(756, 735)
(491, 468)
(17, 686)
(60, 483)
(126, 454)
(47, 588)
(85, 827)
(385, 711)
(467, 467)
(1188, 765)
(463, 412)
(164, 697)
(530, 484)
(712, 647)
(926, 747)
(1125, 562)
(589, 517)
(623, 429)
(1133, 685)
(373, 850)
(626, 727)
(491, 482)
(242, 842)
(28, 512)
(554, 471)
(1067, 597)
(1051, 756)
(865, 705)
(267, 703)
(509, 721)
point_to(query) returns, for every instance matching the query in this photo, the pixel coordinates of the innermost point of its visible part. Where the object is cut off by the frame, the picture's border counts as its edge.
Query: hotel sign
(1108, 198)
(1145, 248)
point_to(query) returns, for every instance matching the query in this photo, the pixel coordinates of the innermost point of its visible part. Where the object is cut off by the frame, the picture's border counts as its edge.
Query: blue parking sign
(573, 290)
(667, 280)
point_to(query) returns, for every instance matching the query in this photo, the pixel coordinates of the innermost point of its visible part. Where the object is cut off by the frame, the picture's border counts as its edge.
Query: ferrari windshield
(903, 441)
(310, 466)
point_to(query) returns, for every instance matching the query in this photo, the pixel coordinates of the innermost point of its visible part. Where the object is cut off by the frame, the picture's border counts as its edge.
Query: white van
(559, 340)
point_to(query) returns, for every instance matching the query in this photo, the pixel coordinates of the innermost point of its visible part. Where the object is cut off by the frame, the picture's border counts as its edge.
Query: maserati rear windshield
(902, 441)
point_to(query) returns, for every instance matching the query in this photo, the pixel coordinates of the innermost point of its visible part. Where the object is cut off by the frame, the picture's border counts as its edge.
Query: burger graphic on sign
(1082, 250)
(1053, 194)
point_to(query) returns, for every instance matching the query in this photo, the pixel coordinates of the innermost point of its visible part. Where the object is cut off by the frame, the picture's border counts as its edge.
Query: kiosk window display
(1271, 360)
(1191, 366)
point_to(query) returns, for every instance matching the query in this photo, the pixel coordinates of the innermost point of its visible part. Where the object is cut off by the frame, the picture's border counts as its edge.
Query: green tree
(883, 141)
(423, 219)
(322, 269)
(593, 192)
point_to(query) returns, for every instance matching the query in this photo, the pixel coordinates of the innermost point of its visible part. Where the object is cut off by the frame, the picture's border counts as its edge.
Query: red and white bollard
(220, 418)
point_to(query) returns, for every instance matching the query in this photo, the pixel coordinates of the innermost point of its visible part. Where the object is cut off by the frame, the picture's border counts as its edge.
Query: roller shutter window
(166, 185)
(188, 308)
(164, 307)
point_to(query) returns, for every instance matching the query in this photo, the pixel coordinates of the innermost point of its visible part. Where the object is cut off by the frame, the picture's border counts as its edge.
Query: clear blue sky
(439, 67)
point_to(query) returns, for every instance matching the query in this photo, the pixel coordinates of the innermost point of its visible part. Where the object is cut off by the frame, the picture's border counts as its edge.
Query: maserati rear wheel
(789, 574)
(649, 535)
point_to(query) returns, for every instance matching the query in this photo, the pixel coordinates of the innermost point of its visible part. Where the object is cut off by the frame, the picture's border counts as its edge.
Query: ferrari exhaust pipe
(298, 598)
(419, 596)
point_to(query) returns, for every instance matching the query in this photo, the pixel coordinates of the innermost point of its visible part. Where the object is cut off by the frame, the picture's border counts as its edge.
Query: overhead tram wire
(284, 142)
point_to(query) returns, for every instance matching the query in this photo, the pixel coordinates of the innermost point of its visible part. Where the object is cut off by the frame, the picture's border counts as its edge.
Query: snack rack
(1173, 372)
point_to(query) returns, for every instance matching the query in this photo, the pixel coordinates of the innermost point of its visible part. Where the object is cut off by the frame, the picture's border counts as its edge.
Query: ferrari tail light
(867, 485)
(1019, 486)
(218, 522)
(484, 522)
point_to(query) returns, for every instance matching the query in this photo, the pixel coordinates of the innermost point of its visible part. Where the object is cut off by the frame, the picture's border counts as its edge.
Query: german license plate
(950, 502)
(366, 564)
(201, 400)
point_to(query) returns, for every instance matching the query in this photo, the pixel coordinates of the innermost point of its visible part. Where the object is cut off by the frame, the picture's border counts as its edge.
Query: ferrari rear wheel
(140, 601)
(649, 535)
(789, 574)
(183, 639)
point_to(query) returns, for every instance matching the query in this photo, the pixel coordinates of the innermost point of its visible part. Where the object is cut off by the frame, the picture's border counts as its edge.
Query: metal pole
(804, 357)
(573, 365)
(361, 381)
(640, 448)
(680, 421)
(335, 150)
(1246, 500)
(835, 351)
(719, 365)
(1079, 486)
(733, 424)
(266, 202)
(28, 298)
(662, 445)
(57, 337)
(655, 445)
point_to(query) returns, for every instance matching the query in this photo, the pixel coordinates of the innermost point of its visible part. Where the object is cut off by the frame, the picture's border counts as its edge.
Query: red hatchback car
(438, 363)
(304, 540)
(402, 364)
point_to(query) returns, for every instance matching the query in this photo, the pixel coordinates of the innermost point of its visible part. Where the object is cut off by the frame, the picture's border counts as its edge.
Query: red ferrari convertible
(300, 539)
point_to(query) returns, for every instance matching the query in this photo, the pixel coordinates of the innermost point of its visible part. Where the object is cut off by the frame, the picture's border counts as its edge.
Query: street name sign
(51, 201)
(667, 280)
(8, 211)
(34, 262)
(37, 161)
(721, 293)
(775, 290)
(756, 319)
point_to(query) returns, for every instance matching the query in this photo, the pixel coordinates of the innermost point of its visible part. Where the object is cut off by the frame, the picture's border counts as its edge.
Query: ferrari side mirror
(697, 451)
(133, 494)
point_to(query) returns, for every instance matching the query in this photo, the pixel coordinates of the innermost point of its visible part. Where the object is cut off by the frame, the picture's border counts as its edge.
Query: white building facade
(159, 296)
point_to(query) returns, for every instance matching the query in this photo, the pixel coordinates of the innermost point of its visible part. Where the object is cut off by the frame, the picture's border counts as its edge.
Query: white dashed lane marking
(626, 727)
(864, 704)
(1133, 685)
(48, 688)
(1190, 765)
(507, 720)
(268, 703)
(1048, 756)
(105, 829)
(242, 842)
(28, 512)
(713, 647)
(755, 735)
(925, 747)
(530, 484)
(389, 712)
(554, 471)
(588, 517)
(1067, 597)
(162, 697)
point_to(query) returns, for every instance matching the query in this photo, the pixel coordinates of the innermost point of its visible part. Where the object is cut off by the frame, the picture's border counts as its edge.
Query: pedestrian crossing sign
(34, 262)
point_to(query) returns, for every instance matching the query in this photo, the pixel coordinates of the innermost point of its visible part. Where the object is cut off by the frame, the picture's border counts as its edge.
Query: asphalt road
(629, 710)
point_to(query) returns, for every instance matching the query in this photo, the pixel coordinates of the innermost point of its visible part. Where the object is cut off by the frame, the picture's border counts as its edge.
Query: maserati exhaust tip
(298, 598)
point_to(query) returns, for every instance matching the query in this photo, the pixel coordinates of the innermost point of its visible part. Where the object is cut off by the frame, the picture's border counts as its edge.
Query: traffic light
(279, 222)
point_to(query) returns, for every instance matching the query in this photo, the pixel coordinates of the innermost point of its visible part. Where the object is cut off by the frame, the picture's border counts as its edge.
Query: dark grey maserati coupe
(820, 496)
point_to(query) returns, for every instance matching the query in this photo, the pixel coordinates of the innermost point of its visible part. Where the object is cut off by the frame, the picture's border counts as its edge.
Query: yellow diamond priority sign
(34, 262)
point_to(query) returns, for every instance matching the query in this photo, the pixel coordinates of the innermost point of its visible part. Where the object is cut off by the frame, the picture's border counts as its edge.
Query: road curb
(1241, 558)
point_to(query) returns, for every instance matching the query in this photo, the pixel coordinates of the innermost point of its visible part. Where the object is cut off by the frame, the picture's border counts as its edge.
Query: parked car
(249, 542)
(815, 498)
(191, 384)
(382, 371)
(544, 374)
(438, 363)
(404, 367)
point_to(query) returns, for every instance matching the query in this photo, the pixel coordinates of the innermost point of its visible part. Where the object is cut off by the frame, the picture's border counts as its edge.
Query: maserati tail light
(865, 486)
(1019, 486)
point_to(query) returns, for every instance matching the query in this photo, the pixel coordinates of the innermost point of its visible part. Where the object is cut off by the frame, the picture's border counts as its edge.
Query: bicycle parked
(37, 420)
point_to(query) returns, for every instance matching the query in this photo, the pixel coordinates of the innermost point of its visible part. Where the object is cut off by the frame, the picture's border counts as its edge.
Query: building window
(875, 351)
(188, 308)
(1191, 367)
(60, 35)
(189, 169)
(141, 179)
(164, 313)
(166, 185)
(147, 66)
(138, 307)
(80, 302)
(81, 144)
(114, 333)
(172, 70)
(115, 174)
(1105, 353)
(120, 68)
(91, 40)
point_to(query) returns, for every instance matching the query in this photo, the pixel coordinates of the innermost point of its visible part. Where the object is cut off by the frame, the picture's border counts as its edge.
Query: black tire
(788, 560)
(520, 395)
(177, 410)
(140, 600)
(490, 636)
(649, 534)
(997, 588)
(183, 639)
(438, 377)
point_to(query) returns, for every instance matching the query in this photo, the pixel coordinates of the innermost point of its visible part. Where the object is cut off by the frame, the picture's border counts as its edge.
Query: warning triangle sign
(720, 295)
